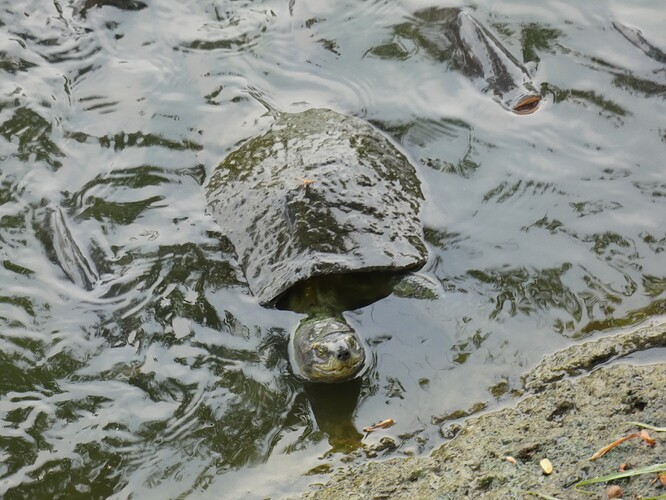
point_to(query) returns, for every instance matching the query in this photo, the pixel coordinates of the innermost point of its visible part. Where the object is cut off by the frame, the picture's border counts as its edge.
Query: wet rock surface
(565, 420)
(580, 358)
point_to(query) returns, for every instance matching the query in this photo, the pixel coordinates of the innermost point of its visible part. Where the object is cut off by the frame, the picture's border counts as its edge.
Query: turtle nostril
(344, 354)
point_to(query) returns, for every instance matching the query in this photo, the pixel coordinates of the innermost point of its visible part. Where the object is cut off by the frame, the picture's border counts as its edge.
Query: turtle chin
(335, 356)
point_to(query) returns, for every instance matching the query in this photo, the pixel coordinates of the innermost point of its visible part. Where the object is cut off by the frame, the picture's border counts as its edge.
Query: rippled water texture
(137, 362)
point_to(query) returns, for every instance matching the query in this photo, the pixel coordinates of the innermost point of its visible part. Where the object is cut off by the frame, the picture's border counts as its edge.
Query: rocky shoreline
(569, 411)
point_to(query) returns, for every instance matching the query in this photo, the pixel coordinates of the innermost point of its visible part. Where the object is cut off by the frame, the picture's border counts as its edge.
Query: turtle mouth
(526, 104)
(333, 374)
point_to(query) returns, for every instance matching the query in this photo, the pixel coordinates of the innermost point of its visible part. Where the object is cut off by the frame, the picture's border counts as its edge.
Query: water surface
(163, 377)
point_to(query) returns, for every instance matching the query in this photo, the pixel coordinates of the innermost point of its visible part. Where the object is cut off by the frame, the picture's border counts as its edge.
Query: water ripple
(158, 374)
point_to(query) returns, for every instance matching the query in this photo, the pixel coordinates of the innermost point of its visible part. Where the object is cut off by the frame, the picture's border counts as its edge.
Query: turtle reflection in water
(323, 212)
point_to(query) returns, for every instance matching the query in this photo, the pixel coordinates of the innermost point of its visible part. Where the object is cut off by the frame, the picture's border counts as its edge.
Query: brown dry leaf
(547, 466)
(384, 424)
(608, 448)
(623, 467)
(645, 436)
(614, 491)
(511, 460)
(306, 182)
(662, 479)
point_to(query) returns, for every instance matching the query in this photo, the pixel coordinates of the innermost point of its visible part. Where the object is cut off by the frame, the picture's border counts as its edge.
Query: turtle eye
(321, 351)
(352, 343)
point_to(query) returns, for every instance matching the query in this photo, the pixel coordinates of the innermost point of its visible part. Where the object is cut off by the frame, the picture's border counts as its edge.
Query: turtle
(453, 36)
(323, 211)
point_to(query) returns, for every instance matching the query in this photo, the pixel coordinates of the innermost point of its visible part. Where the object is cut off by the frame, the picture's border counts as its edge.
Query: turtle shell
(319, 193)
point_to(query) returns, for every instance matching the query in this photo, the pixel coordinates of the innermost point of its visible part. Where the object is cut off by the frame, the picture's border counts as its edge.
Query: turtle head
(326, 350)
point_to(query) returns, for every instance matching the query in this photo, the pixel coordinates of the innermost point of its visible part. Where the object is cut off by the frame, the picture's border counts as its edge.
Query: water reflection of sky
(167, 378)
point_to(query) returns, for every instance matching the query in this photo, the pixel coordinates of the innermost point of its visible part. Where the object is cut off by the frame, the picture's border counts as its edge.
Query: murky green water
(166, 379)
